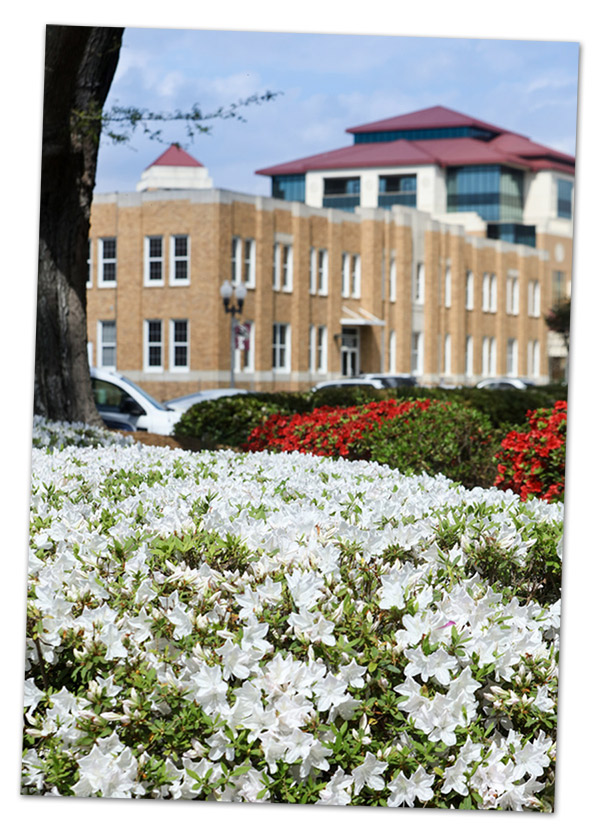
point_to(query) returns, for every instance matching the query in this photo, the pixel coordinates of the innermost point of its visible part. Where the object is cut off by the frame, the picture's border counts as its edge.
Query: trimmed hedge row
(228, 421)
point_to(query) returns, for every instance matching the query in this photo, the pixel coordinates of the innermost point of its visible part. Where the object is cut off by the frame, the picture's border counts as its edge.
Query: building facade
(331, 290)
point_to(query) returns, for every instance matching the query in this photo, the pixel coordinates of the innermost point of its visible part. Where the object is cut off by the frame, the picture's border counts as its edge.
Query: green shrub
(505, 408)
(534, 577)
(449, 438)
(224, 421)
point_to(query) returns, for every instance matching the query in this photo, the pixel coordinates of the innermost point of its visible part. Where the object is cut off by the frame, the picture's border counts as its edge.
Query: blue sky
(328, 83)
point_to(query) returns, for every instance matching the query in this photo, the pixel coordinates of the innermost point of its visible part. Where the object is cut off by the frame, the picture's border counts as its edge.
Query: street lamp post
(227, 291)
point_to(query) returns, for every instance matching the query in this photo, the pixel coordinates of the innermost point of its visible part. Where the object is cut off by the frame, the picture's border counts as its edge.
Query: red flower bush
(532, 462)
(326, 431)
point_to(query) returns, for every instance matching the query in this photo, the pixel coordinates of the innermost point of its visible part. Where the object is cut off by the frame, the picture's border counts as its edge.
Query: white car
(349, 382)
(505, 383)
(123, 405)
(390, 381)
(184, 402)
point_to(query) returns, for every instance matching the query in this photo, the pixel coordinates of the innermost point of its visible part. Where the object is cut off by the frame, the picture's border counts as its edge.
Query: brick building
(333, 288)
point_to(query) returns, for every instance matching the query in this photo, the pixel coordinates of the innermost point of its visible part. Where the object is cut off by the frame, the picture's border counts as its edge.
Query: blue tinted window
(493, 192)
(397, 189)
(565, 199)
(423, 134)
(288, 187)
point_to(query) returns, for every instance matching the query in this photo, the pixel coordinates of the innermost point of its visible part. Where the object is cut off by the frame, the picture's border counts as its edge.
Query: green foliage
(534, 577)
(558, 319)
(224, 421)
(228, 421)
(505, 408)
(448, 438)
(120, 122)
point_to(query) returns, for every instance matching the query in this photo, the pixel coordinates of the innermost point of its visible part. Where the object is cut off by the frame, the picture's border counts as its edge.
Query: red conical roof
(175, 156)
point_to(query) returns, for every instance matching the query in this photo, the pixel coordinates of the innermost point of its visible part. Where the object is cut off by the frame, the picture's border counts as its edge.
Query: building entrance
(350, 352)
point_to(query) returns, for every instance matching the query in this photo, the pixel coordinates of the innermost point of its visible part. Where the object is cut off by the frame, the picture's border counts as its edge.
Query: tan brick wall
(212, 220)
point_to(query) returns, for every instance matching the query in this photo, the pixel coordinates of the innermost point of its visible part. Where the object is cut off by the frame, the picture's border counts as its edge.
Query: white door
(350, 352)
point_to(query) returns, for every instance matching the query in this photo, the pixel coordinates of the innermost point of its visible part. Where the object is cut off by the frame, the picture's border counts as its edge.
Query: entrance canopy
(360, 318)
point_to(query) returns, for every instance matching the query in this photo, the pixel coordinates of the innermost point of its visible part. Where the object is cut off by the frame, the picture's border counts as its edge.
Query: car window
(108, 396)
(146, 395)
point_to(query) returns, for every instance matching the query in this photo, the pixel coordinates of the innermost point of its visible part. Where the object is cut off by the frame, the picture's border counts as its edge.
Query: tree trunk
(80, 63)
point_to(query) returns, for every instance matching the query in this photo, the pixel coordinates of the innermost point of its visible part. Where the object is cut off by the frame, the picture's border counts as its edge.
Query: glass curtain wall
(494, 192)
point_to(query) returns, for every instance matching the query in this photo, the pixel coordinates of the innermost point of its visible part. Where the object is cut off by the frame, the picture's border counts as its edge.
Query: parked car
(123, 405)
(390, 381)
(505, 383)
(184, 402)
(349, 382)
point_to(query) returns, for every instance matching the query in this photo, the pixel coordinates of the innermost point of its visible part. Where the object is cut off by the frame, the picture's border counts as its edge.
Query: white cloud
(171, 84)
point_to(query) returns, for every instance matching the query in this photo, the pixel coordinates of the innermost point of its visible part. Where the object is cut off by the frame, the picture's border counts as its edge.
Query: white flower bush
(281, 628)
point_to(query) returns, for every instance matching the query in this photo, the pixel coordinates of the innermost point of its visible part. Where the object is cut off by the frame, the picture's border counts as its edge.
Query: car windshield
(146, 395)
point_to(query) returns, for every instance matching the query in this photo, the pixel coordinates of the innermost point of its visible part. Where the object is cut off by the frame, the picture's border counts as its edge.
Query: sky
(325, 83)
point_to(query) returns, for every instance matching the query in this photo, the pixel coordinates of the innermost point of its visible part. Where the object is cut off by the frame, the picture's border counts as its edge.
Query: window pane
(180, 356)
(181, 270)
(180, 331)
(181, 245)
(109, 248)
(109, 332)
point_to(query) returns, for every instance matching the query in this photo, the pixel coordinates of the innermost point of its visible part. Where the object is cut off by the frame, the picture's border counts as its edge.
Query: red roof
(436, 117)
(505, 148)
(358, 156)
(175, 156)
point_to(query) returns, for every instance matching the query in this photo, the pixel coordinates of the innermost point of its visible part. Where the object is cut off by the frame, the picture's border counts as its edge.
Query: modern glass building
(445, 163)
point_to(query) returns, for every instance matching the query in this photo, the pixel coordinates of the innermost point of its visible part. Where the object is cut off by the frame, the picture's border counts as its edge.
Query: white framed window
(179, 346)
(283, 267)
(107, 344)
(533, 358)
(153, 260)
(448, 288)
(419, 297)
(469, 291)
(492, 359)
(89, 282)
(512, 295)
(236, 260)
(493, 294)
(355, 282)
(448, 355)
(281, 347)
(533, 294)
(469, 356)
(243, 261)
(485, 356)
(312, 348)
(107, 262)
(345, 274)
(244, 347)
(249, 275)
(287, 268)
(511, 356)
(179, 259)
(488, 356)
(485, 292)
(393, 278)
(322, 272)
(153, 346)
(276, 267)
(321, 359)
(312, 282)
(392, 352)
(417, 353)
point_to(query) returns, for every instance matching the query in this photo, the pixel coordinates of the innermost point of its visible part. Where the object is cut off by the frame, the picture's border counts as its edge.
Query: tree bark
(80, 64)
